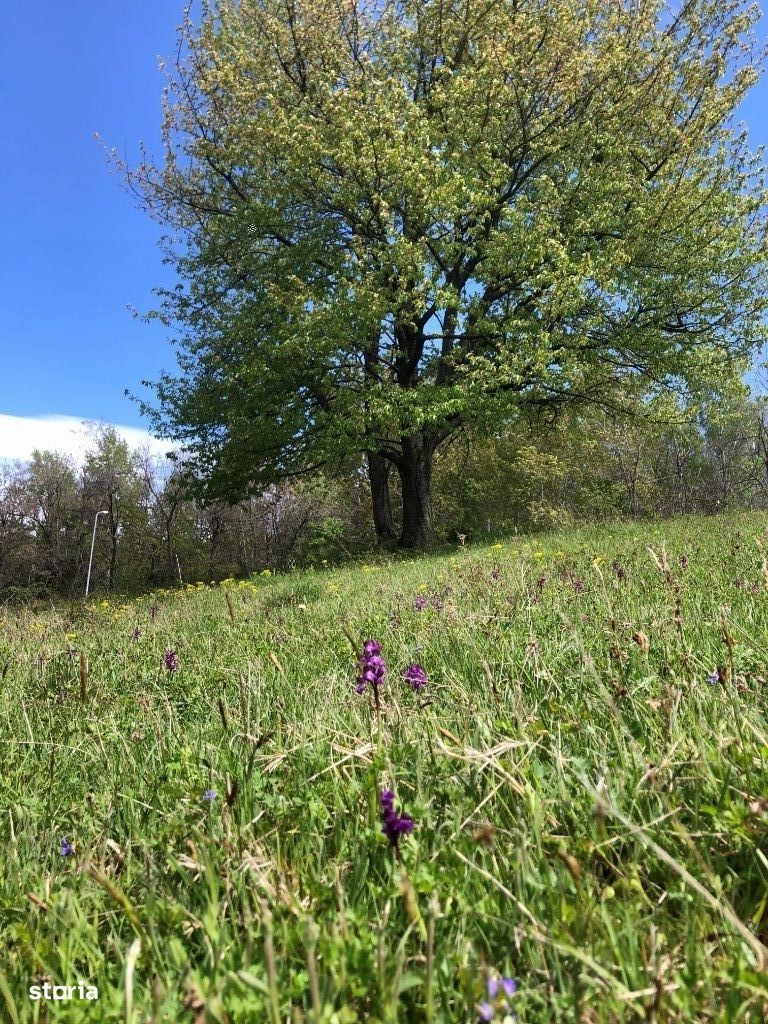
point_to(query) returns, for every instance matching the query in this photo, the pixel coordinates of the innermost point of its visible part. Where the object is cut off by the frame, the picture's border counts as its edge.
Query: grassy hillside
(586, 769)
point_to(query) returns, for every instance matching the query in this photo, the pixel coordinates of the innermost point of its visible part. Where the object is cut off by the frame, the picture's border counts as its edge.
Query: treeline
(588, 466)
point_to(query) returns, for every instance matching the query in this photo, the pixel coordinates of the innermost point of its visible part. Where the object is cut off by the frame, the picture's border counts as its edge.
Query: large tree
(392, 219)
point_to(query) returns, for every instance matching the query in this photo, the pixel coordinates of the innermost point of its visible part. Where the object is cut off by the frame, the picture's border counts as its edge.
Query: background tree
(53, 516)
(111, 481)
(17, 559)
(399, 219)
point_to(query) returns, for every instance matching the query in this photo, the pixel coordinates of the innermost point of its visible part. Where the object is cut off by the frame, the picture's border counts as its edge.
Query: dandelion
(209, 796)
(66, 849)
(394, 825)
(171, 661)
(373, 668)
(416, 676)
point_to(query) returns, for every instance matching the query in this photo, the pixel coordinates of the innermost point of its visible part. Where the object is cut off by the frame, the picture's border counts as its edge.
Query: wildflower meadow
(523, 781)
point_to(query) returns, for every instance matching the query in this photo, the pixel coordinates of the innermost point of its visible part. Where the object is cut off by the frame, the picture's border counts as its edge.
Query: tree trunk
(378, 475)
(415, 471)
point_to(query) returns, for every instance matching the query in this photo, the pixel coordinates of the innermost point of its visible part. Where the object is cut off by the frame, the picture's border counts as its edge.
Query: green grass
(588, 807)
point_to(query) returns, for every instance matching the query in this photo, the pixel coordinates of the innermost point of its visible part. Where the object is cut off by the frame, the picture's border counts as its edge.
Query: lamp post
(103, 512)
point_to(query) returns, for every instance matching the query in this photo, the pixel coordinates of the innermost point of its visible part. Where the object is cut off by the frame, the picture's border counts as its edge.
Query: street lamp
(103, 512)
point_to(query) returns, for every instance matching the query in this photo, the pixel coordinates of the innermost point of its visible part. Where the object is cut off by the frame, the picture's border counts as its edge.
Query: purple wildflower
(66, 849)
(209, 795)
(72, 653)
(578, 586)
(683, 561)
(739, 582)
(171, 661)
(436, 602)
(488, 1009)
(416, 676)
(394, 825)
(153, 611)
(394, 620)
(713, 678)
(373, 668)
(535, 595)
(495, 574)
(419, 603)
(137, 634)
(621, 572)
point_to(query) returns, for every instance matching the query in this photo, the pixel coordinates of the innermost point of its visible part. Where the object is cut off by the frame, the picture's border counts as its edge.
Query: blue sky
(74, 252)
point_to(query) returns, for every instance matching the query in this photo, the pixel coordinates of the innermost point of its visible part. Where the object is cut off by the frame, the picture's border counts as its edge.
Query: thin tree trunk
(415, 471)
(378, 475)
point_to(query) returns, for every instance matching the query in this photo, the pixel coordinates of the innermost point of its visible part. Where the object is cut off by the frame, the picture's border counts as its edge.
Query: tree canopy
(392, 220)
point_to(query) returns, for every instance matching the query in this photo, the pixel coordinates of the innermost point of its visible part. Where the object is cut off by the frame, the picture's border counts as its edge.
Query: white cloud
(20, 435)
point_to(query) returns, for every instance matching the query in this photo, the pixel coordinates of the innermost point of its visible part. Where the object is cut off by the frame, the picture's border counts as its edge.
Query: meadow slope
(190, 790)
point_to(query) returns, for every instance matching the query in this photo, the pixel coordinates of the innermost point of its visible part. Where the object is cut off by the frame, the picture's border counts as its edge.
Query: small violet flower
(373, 668)
(487, 1009)
(394, 825)
(713, 678)
(137, 634)
(419, 603)
(416, 676)
(209, 795)
(66, 849)
(171, 661)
